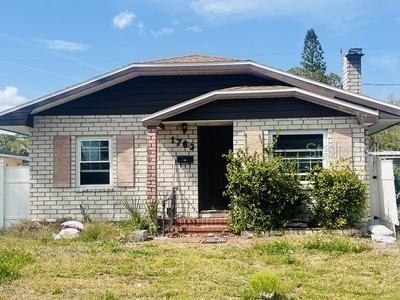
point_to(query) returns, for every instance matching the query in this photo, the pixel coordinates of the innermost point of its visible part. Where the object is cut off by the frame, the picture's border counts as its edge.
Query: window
(305, 150)
(94, 162)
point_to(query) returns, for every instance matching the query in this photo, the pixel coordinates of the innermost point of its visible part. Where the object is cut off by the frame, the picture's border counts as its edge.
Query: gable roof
(20, 117)
(365, 115)
(193, 58)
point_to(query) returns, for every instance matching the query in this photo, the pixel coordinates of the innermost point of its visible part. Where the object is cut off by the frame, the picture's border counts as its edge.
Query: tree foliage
(313, 56)
(264, 194)
(13, 144)
(388, 139)
(332, 78)
(313, 65)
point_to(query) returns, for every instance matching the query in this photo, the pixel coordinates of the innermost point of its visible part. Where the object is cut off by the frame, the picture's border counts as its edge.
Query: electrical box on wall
(184, 159)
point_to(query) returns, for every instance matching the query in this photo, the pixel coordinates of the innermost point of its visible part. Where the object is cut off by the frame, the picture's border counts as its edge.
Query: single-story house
(137, 132)
(14, 160)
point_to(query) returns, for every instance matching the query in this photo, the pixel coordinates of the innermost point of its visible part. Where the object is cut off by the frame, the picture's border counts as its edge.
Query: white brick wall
(52, 203)
(182, 176)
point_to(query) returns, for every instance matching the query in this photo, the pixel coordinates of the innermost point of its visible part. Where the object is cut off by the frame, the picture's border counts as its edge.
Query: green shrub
(263, 285)
(336, 244)
(11, 262)
(99, 231)
(340, 197)
(264, 194)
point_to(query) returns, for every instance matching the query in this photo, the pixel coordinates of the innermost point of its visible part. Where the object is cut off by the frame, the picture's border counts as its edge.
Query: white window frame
(304, 132)
(78, 161)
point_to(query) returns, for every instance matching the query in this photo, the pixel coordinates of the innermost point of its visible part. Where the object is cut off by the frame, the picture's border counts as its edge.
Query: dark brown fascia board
(327, 91)
(364, 115)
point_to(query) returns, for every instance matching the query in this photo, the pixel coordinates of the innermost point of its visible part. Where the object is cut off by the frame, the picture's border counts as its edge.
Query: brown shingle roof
(195, 58)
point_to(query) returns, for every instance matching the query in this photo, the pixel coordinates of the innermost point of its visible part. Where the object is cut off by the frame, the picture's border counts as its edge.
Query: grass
(101, 266)
(263, 285)
(333, 244)
(11, 262)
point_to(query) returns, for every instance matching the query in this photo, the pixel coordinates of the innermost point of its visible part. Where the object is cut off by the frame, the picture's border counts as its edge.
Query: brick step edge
(204, 229)
(202, 221)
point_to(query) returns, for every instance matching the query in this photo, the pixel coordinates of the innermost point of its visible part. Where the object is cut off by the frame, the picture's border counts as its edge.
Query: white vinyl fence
(383, 195)
(14, 194)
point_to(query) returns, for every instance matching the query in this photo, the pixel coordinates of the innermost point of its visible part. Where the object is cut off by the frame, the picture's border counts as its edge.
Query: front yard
(100, 266)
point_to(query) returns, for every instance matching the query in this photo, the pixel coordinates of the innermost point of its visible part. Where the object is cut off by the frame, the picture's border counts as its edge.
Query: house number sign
(182, 143)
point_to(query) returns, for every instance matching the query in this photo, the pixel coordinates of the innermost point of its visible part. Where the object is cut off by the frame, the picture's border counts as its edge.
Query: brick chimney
(352, 70)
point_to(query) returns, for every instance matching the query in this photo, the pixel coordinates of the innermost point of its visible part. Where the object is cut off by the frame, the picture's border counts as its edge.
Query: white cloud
(194, 28)
(9, 97)
(219, 9)
(163, 31)
(64, 45)
(123, 19)
(141, 27)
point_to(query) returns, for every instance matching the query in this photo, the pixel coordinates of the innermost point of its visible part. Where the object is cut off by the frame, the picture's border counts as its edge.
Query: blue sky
(48, 45)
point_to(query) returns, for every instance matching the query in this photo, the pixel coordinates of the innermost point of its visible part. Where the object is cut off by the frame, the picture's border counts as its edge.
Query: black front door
(214, 142)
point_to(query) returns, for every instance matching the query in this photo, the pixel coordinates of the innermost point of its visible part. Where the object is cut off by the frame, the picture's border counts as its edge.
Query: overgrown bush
(264, 194)
(339, 195)
(263, 285)
(11, 262)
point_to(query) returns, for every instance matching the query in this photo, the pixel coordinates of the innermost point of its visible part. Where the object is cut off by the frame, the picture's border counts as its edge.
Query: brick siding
(52, 203)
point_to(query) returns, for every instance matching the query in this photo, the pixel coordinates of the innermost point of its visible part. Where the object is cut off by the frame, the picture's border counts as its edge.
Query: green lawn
(100, 266)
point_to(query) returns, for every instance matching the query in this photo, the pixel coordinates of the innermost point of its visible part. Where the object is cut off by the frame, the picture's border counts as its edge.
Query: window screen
(305, 150)
(94, 162)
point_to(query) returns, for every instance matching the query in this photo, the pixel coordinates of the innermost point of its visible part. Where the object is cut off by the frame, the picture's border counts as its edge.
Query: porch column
(151, 163)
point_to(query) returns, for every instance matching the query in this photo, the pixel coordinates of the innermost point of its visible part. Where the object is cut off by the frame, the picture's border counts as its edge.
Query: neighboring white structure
(383, 195)
(14, 160)
(14, 194)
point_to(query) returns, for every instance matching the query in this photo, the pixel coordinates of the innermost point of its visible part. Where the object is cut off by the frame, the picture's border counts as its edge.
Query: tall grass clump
(99, 232)
(11, 263)
(336, 244)
(139, 220)
(263, 285)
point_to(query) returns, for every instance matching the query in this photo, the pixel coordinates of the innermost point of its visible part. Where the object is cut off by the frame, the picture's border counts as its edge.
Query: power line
(382, 84)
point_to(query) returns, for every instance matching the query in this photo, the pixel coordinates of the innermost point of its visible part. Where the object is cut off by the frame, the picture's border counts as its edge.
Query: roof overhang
(25, 130)
(12, 156)
(234, 67)
(365, 115)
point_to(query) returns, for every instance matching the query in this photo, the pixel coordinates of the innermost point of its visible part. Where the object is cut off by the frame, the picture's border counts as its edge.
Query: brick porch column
(152, 163)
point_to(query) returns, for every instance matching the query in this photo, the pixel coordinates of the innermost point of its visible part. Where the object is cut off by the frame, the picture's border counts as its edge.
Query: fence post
(2, 193)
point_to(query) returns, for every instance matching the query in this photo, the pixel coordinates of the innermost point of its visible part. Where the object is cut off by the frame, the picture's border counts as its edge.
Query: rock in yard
(246, 234)
(72, 224)
(67, 233)
(140, 235)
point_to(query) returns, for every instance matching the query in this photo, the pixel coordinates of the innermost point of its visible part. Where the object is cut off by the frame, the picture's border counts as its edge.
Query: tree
(313, 56)
(13, 144)
(388, 139)
(313, 65)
